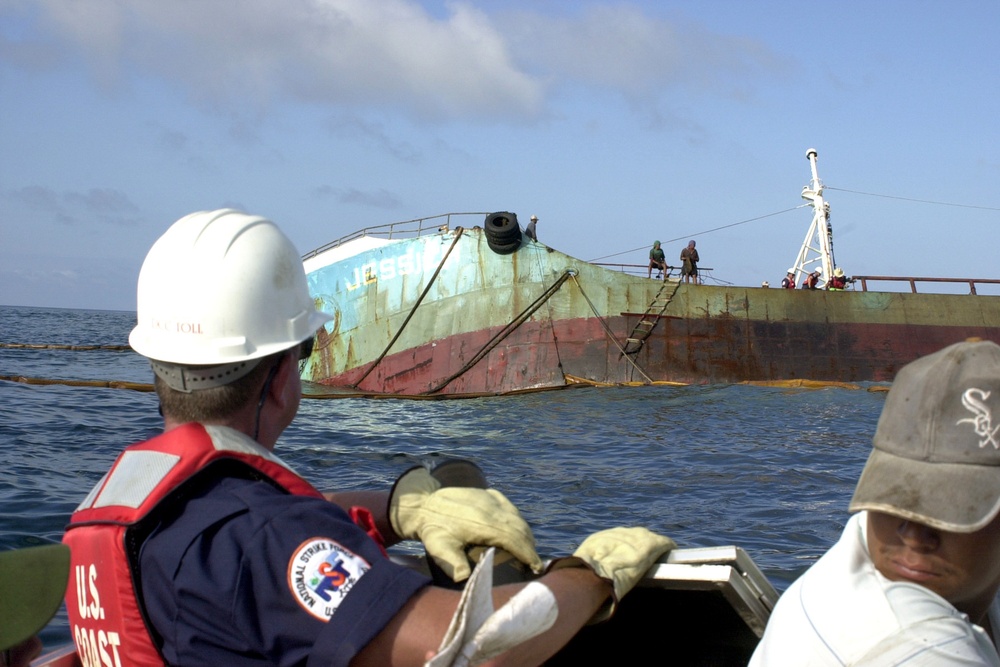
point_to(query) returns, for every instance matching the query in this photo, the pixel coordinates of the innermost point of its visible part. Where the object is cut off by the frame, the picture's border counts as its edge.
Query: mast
(817, 248)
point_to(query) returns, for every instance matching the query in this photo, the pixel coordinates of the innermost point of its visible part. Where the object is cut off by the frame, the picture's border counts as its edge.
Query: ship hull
(445, 315)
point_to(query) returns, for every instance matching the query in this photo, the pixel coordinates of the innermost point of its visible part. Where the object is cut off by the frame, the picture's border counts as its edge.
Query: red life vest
(837, 282)
(104, 613)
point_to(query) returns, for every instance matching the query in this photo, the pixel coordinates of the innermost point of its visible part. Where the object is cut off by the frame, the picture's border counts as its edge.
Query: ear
(288, 368)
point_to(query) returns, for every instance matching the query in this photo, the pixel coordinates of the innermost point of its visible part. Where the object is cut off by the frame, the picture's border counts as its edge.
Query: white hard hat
(535, 218)
(219, 290)
(791, 270)
(819, 270)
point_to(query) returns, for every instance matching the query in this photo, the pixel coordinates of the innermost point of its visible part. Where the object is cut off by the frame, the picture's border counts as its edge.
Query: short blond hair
(215, 403)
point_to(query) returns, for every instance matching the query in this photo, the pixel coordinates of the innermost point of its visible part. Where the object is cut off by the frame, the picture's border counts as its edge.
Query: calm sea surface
(768, 469)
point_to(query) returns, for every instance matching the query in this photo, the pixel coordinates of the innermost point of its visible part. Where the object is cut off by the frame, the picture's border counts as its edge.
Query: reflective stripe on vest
(104, 614)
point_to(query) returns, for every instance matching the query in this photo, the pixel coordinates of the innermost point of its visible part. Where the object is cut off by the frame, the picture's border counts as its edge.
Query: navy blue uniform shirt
(249, 575)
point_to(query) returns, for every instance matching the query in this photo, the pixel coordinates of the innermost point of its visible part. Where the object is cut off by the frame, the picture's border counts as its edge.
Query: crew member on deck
(657, 260)
(689, 263)
(529, 231)
(812, 280)
(839, 281)
(788, 282)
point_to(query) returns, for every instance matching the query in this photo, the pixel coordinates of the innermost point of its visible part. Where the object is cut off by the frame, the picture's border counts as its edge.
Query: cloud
(343, 52)
(105, 205)
(376, 134)
(380, 198)
(460, 62)
(622, 48)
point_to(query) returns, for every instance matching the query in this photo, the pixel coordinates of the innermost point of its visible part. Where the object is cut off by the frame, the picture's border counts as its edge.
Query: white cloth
(477, 633)
(842, 611)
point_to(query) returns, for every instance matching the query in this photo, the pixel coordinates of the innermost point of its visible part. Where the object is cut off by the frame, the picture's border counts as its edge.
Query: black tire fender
(503, 248)
(502, 228)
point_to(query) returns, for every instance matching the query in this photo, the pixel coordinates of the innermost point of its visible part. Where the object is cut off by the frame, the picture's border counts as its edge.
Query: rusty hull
(706, 334)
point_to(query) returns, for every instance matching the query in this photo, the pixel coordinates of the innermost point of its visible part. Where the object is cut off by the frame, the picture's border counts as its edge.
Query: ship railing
(625, 268)
(404, 229)
(971, 282)
(860, 283)
(638, 269)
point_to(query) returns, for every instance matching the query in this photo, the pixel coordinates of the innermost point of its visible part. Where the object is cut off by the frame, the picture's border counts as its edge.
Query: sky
(616, 123)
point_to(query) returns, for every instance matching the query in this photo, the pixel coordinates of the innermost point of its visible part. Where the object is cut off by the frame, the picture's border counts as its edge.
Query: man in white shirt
(914, 578)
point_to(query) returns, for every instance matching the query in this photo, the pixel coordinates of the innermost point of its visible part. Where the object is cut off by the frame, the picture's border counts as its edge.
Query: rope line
(508, 329)
(105, 384)
(409, 316)
(607, 331)
(74, 348)
(571, 382)
(919, 201)
(707, 231)
(551, 319)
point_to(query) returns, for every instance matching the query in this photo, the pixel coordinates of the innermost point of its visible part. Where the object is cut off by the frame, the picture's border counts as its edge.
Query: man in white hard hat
(201, 547)
(529, 231)
(788, 282)
(812, 280)
(914, 578)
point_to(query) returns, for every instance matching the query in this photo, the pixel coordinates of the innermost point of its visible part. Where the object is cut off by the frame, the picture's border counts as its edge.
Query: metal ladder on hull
(649, 319)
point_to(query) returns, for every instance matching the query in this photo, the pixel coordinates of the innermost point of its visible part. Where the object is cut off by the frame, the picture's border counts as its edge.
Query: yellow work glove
(451, 519)
(620, 555)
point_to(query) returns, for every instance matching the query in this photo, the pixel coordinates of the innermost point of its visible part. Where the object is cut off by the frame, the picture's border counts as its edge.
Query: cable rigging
(788, 210)
(702, 233)
(919, 201)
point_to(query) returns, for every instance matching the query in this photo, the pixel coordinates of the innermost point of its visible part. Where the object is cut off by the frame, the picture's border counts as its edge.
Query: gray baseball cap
(936, 456)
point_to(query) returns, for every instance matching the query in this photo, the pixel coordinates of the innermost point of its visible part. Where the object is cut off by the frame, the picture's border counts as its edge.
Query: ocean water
(768, 469)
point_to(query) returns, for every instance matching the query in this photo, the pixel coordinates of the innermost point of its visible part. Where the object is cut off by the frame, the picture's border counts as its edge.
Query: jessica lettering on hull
(389, 268)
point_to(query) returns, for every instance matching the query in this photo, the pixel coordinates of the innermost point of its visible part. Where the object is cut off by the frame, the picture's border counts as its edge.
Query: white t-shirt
(842, 611)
